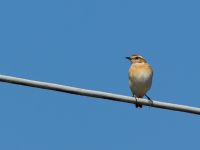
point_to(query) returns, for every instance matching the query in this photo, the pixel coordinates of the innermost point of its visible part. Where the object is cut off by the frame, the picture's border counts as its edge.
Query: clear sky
(83, 43)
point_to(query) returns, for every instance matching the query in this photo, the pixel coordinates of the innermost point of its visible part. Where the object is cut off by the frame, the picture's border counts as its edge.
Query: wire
(98, 94)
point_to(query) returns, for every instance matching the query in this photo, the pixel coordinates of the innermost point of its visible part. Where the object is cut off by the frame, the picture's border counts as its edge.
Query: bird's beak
(128, 58)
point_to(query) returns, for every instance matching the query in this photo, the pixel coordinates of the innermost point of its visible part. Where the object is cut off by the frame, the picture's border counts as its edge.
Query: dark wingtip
(138, 105)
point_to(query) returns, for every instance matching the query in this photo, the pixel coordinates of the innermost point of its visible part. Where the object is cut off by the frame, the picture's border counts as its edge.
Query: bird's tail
(138, 105)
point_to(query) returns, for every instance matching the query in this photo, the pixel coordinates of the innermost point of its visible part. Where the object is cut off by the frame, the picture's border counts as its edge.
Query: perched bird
(140, 77)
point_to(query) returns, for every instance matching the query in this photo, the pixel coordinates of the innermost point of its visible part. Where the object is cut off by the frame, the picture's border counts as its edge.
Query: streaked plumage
(140, 76)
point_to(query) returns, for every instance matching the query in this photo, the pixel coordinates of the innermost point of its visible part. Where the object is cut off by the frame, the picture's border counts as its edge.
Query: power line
(98, 94)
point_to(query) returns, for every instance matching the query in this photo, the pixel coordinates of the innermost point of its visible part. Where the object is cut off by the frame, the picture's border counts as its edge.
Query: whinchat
(140, 77)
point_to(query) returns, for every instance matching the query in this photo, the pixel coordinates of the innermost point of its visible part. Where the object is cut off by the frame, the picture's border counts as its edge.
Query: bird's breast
(140, 79)
(140, 72)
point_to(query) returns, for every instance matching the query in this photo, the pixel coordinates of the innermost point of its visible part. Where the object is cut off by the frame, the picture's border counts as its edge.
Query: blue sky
(84, 44)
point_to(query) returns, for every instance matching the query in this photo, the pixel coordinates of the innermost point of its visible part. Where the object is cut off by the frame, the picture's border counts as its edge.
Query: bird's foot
(137, 105)
(149, 99)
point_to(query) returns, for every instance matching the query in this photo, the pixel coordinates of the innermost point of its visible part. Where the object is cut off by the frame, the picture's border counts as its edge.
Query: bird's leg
(135, 98)
(149, 99)
(136, 104)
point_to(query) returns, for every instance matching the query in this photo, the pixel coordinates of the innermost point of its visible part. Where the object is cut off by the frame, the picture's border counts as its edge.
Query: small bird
(140, 77)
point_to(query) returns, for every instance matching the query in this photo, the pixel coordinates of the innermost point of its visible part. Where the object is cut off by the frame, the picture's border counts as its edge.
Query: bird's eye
(137, 58)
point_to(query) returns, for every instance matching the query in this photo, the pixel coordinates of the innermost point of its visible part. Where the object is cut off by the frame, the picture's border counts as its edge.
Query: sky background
(84, 44)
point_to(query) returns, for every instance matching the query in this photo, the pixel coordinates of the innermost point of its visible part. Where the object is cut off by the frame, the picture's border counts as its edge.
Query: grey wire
(98, 94)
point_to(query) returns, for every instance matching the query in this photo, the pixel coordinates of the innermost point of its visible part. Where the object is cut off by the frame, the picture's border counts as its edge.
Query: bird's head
(136, 59)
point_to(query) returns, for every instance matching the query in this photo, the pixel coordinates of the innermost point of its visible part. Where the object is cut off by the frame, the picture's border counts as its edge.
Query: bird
(140, 77)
